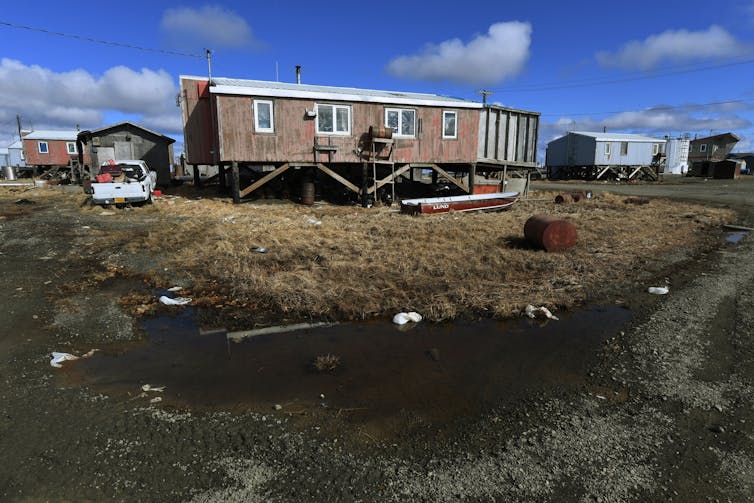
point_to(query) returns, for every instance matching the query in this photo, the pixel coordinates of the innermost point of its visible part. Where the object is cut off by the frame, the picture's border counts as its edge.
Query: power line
(597, 82)
(99, 41)
(659, 108)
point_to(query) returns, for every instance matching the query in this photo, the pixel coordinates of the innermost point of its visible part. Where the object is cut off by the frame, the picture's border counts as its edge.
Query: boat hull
(474, 202)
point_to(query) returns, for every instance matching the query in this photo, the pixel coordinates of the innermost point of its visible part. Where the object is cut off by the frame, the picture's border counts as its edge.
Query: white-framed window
(43, 147)
(449, 124)
(703, 147)
(264, 119)
(624, 148)
(333, 119)
(655, 148)
(70, 147)
(607, 149)
(402, 120)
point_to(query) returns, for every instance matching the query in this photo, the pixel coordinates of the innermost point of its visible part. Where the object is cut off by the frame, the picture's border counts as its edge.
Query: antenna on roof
(484, 93)
(277, 75)
(209, 66)
(18, 121)
(298, 74)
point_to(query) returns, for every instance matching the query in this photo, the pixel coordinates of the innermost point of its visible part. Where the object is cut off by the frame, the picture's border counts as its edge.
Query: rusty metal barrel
(550, 233)
(307, 192)
(563, 198)
(381, 132)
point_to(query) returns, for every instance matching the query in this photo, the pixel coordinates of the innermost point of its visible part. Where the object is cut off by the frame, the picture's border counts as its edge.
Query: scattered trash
(540, 312)
(175, 289)
(156, 399)
(259, 249)
(25, 201)
(277, 406)
(156, 193)
(658, 290)
(106, 213)
(178, 301)
(245, 334)
(58, 358)
(321, 396)
(601, 397)
(403, 318)
(148, 387)
(313, 221)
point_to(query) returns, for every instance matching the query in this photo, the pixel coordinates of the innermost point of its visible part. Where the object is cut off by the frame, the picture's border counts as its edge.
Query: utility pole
(18, 121)
(484, 93)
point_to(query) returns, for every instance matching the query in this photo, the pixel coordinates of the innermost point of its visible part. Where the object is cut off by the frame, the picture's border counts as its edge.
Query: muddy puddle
(436, 371)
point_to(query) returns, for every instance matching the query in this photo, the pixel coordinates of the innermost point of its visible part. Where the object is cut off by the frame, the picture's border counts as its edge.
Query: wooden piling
(235, 183)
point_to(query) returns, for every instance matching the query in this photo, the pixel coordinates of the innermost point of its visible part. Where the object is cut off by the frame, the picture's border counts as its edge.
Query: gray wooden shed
(126, 140)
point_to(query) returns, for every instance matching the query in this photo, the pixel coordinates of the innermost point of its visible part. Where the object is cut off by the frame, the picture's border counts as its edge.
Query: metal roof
(599, 136)
(51, 135)
(16, 144)
(290, 90)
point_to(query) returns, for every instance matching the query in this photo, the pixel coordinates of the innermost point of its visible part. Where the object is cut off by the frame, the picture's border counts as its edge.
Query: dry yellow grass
(364, 263)
(360, 264)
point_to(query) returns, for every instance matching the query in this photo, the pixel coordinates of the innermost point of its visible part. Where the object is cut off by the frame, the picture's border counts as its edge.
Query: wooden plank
(451, 179)
(607, 168)
(235, 183)
(398, 172)
(339, 178)
(269, 176)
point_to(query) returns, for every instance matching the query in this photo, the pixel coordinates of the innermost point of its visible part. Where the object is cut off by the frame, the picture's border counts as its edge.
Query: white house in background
(677, 155)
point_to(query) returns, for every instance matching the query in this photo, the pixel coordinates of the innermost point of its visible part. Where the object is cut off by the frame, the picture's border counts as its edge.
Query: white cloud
(487, 59)
(210, 26)
(61, 100)
(676, 46)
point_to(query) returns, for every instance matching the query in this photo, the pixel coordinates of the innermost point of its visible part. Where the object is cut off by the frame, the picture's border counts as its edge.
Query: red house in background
(48, 149)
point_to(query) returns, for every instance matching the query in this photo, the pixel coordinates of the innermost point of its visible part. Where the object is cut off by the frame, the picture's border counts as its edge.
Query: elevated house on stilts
(296, 140)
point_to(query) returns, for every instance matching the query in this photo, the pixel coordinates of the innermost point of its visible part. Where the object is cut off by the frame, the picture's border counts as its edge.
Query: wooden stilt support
(266, 178)
(398, 172)
(337, 177)
(364, 184)
(235, 183)
(472, 177)
(450, 178)
(197, 178)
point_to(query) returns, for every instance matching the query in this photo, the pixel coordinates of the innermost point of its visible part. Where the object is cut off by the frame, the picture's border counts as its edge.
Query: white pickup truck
(133, 183)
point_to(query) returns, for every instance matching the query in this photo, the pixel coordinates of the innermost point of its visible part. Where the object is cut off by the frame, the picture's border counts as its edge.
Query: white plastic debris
(658, 290)
(178, 301)
(313, 221)
(149, 387)
(107, 213)
(156, 399)
(175, 289)
(58, 358)
(403, 318)
(540, 312)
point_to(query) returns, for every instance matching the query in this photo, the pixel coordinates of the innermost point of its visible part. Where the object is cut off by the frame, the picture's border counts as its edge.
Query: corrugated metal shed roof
(51, 135)
(618, 137)
(285, 89)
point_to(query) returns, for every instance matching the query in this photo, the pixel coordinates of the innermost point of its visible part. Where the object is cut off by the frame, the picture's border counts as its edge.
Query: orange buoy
(550, 233)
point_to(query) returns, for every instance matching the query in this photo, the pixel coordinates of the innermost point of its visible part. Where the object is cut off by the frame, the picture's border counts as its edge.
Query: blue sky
(656, 68)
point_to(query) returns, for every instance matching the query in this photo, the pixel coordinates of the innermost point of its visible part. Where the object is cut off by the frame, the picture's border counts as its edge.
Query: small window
(43, 147)
(655, 148)
(333, 119)
(703, 147)
(263, 118)
(624, 148)
(402, 120)
(70, 147)
(449, 125)
(607, 149)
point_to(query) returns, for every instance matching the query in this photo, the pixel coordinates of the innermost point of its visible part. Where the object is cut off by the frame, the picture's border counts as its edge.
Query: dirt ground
(659, 409)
